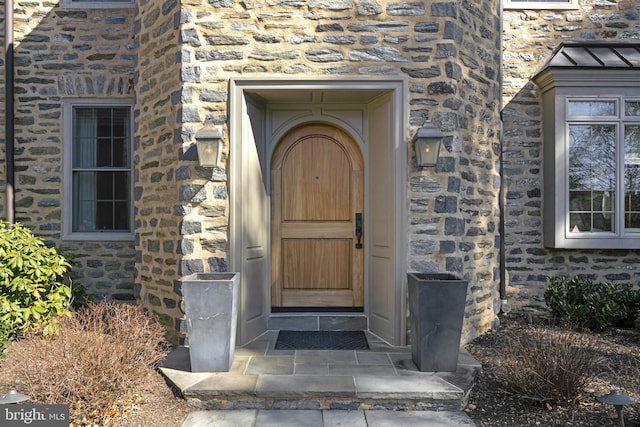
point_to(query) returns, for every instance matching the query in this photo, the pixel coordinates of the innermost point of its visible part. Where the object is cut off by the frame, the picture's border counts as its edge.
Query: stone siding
(529, 39)
(447, 50)
(176, 58)
(61, 54)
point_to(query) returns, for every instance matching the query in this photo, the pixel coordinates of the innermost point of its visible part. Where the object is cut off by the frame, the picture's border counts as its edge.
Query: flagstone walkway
(378, 387)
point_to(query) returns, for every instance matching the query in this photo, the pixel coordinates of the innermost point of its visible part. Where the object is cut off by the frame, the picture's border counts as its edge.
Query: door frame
(254, 130)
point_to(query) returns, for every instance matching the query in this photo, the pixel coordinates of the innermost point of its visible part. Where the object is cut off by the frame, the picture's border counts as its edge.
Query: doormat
(321, 340)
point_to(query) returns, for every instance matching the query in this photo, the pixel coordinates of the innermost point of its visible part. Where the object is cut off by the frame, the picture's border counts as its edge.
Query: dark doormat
(321, 340)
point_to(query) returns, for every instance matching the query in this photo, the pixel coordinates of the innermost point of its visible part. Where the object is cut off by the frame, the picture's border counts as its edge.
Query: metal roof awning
(594, 54)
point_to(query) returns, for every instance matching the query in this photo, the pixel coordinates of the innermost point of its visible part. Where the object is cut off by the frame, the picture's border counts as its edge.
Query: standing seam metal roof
(595, 55)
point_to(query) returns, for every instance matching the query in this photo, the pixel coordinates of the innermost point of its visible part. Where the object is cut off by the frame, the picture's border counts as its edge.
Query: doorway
(296, 255)
(317, 220)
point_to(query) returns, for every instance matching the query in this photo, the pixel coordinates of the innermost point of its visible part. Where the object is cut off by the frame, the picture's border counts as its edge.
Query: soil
(492, 404)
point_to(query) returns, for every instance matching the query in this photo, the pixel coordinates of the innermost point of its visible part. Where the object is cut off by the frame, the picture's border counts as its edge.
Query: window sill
(534, 5)
(593, 243)
(69, 4)
(99, 236)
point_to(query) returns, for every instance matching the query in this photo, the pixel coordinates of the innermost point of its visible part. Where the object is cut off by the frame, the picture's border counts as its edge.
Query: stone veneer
(184, 54)
(61, 54)
(529, 39)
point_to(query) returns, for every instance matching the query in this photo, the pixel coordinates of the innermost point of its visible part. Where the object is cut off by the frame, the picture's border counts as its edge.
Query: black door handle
(359, 230)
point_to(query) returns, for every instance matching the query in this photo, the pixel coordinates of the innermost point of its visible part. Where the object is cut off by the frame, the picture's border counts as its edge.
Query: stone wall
(529, 39)
(448, 52)
(60, 54)
(176, 58)
(163, 235)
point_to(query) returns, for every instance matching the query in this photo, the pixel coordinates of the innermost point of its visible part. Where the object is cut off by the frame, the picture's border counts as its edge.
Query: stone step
(330, 321)
(327, 418)
(261, 377)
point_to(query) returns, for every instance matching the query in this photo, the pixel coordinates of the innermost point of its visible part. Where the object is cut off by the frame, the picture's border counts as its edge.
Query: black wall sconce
(209, 142)
(427, 144)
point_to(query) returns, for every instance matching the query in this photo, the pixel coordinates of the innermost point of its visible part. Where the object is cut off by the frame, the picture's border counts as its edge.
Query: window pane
(84, 138)
(592, 178)
(632, 108)
(101, 137)
(592, 108)
(591, 211)
(102, 201)
(632, 176)
(84, 206)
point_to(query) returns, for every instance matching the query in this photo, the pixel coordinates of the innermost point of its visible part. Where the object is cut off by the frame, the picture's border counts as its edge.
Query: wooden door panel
(316, 190)
(316, 182)
(316, 264)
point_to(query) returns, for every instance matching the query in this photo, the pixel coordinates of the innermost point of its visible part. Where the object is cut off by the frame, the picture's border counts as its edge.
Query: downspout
(504, 306)
(9, 109)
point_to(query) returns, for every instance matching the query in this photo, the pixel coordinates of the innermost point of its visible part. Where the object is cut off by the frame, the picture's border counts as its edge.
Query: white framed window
(98, 169)
(540, 4)
(97, 4)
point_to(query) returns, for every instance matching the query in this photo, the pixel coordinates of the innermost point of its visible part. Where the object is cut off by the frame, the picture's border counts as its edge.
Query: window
(601, 173)
(604, 167)
(540, 4)
(97, 4)
(98, 170)
(591, 153)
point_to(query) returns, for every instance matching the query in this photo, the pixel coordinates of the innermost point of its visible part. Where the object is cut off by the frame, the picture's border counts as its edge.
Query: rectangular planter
(211, 308)
(436, 311)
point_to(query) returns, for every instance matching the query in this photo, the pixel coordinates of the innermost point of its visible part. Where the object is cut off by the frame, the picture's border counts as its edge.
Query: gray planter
(211, 308)
(436, 311)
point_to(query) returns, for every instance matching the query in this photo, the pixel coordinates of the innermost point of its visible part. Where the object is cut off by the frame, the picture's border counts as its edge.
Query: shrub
(546, 364)
(96, 364)
(31, 290)
(591, 305)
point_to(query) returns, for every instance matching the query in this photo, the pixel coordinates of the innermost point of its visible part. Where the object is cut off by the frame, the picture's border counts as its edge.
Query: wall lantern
(427, 144)
(209, 143)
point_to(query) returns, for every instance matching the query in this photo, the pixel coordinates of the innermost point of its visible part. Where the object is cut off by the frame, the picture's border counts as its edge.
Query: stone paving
(326, 418)
(377, 387)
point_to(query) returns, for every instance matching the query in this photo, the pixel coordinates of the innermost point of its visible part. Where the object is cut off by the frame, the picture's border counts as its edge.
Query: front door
(317, 219)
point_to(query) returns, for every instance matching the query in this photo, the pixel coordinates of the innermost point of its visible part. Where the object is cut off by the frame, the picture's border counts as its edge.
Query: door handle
(359, 230)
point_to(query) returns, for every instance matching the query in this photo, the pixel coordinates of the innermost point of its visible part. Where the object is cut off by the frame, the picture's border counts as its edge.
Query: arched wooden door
(317, 219)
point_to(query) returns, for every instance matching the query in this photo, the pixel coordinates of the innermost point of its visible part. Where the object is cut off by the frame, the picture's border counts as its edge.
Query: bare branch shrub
(546, 364)
(631, 371)
(98, 360)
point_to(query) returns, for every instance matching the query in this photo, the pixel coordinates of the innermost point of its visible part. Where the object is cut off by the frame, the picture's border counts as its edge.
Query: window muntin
(98, 170)
(603, 173)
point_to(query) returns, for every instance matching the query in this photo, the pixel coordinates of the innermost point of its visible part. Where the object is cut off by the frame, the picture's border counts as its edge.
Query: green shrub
(590, 305)
(629, 301)
(32, 294)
